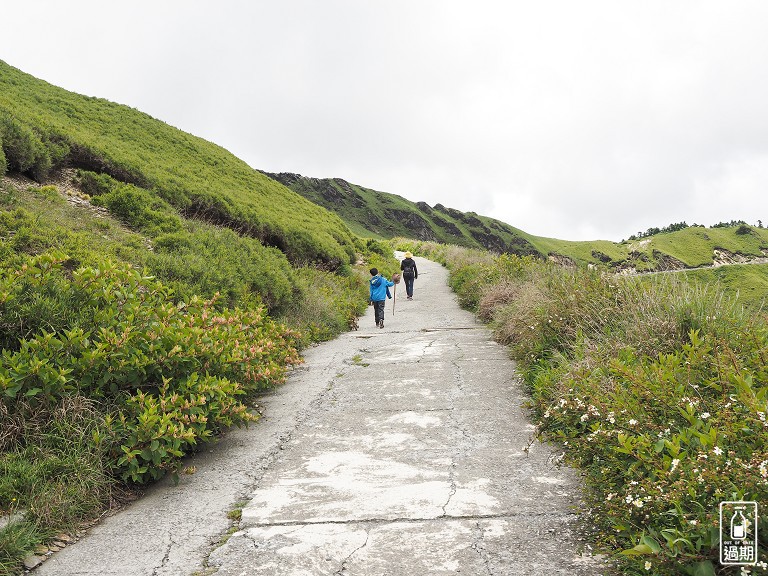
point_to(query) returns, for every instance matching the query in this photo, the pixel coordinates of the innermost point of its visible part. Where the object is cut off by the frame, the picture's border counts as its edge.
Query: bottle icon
(738, 525)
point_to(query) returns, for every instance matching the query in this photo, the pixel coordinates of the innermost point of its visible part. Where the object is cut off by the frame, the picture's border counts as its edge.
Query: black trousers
(378, 310)
(409, 285)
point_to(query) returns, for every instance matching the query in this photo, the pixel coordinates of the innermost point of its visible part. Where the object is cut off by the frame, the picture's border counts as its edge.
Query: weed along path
(395, 451)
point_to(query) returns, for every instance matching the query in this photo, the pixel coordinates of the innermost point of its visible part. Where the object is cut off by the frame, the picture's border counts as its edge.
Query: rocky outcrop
(449, 227)
(417, 226)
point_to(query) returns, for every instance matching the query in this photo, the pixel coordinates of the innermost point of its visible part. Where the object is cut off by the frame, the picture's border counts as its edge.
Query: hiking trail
(395, 451)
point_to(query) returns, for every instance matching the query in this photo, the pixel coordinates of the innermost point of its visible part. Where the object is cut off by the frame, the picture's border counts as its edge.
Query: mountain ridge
(385, 215)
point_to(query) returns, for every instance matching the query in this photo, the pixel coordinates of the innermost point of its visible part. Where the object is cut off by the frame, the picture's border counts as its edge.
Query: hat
(408, 255)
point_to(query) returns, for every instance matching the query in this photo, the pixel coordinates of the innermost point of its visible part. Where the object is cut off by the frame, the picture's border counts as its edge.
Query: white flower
(610, 496)
(632, 422)
(693, 522)
(647, 565)
(584, 417)
(705, 415)
(718, 450)
(675, 462)
(628, 499)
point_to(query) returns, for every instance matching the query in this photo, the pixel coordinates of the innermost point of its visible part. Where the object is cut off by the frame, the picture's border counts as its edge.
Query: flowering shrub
(664, 440)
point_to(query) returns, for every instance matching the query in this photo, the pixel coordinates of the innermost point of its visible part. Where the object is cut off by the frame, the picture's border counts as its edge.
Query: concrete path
(396, 451)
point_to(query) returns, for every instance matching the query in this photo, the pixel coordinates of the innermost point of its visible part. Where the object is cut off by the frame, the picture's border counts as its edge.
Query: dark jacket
(407, 264)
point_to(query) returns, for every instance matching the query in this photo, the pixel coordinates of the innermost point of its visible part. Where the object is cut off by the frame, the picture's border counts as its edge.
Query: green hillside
(151, 284)
(43, 128)
(382, 215)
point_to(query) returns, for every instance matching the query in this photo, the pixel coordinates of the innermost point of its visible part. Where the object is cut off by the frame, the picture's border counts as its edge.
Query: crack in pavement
(406, 520)
(169, 546)
(479, 546)
(343, 569)
(466, 438)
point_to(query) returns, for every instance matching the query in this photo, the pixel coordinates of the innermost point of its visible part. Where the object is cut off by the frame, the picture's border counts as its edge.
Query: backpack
(408, 269)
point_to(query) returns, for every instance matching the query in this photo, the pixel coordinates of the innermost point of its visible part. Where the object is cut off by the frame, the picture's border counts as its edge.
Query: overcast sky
(576, 120)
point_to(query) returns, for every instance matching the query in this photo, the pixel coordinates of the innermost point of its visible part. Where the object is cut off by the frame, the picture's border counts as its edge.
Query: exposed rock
(13, 518)
(561, 260)
(667, 262)
(604, 258)
(31, 562)
(449, 227)
(723, 257)
(417, 226)
(424, 207)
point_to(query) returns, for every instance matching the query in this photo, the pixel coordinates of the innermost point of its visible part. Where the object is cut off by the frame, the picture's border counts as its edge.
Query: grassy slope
(196, 176)
(382, 215)
(749, 282)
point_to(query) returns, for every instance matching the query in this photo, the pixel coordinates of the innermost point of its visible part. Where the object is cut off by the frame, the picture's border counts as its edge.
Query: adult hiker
(410, 273)
(378, 295)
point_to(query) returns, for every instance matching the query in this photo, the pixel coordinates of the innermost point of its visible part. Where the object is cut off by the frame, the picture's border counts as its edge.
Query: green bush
(140, 209)
(329, 303)
(33, 299)
(95, 184)
(133, 343)
(23, 149)
(3, 160)
(209, 259)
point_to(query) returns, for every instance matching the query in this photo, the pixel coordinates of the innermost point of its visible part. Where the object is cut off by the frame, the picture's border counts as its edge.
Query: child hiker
(378, 296)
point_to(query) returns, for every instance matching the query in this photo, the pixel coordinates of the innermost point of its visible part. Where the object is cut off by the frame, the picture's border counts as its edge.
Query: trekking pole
(396, 280)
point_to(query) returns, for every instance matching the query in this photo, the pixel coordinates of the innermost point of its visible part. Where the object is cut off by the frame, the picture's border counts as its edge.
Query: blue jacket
(379, 286)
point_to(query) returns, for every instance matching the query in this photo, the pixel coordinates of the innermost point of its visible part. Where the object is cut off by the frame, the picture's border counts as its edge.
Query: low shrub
(207, 260)
(3, 160)
(23, 149)
(133, 346)
(140, 209)
(329, 303)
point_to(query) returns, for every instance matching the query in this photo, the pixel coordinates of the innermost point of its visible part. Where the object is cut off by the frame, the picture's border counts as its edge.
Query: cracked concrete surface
(392, 451)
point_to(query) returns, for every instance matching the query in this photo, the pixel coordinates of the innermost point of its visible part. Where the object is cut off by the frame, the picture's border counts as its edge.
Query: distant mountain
(375, 214)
